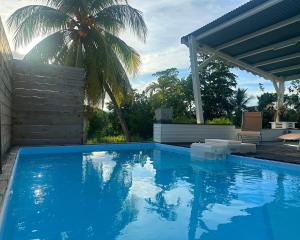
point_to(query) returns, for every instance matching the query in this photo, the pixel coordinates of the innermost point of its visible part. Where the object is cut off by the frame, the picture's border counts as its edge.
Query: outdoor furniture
(251, 126)
(291, 137)
(283, 125)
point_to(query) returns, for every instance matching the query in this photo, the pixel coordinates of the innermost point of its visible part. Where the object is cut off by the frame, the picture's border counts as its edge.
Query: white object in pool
(234, 146)
(214, 151)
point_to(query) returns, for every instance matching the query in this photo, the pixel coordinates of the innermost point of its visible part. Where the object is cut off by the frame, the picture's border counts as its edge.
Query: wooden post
(196, 81)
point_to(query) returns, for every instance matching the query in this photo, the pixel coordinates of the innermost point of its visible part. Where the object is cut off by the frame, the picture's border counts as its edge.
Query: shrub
(184, 119)
(107, 139)
(113, 139)
(219, 121)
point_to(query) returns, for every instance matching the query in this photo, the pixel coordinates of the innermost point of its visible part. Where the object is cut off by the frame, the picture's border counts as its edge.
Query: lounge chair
(251, 126)
(291, 137)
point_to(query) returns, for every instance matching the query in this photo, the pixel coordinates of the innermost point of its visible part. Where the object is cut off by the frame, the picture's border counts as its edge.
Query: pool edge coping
(14, 154)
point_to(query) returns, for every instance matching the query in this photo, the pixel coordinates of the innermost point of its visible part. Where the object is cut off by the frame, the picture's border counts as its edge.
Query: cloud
(167, 21)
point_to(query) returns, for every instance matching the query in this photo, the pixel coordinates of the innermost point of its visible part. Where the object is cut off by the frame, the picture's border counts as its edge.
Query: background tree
(267, 105)
(85, 33)
(217, 84)
(99, 123)
(139, 114)
(239, 102)
(172, 92)
(169, 90)
(165, 80)
(294, 101)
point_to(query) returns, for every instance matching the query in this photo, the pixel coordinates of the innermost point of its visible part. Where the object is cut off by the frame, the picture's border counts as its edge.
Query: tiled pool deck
(276, 151)
(7, 167)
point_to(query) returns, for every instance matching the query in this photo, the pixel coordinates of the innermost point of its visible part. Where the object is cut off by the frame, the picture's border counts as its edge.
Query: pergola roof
(262, 36)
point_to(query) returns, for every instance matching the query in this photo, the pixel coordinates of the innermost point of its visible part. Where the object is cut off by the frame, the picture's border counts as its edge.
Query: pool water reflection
(150, 194)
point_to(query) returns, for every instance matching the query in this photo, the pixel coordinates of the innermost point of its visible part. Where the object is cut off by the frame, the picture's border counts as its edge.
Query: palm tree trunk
(78, 52)
(119, 112)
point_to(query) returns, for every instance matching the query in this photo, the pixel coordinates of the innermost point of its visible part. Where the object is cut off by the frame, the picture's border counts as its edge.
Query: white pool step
(234, 146)
(215, 149)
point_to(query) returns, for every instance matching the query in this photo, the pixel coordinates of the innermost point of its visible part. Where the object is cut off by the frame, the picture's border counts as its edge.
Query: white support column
(280, 89)
(196, 82)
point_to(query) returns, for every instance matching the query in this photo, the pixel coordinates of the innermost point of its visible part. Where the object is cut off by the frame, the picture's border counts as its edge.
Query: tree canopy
(217, 87)
(170, 91)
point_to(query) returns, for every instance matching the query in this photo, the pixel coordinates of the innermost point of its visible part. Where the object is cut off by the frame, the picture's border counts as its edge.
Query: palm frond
(109, 63)
(94, 84)
(97, 5)
(95, 59)
(118, 80)
(70, 6)
(35, 20)
(151, 89)
(71, 54)
(48, 49)
(127, 55)
(108, 24)
(97, 45)
(128, 16)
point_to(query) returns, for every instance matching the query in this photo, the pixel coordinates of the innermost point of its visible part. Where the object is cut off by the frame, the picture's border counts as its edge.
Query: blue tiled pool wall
(148, 146)
(104, 147)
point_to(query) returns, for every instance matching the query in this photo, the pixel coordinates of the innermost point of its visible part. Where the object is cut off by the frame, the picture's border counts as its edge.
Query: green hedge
(219, 121)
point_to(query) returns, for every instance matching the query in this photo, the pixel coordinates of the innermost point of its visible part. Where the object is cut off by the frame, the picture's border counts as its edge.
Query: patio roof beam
(241, 17)
(260, 32)
(276, 60)
(274, 47)
(285, 69)
(292, 77)
(241, 64)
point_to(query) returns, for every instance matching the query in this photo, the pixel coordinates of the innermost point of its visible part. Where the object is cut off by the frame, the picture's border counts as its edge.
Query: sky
(167, 22)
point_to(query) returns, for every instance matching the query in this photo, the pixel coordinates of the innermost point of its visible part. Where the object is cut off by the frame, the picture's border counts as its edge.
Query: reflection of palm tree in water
(208, 188)
(165, 178)
(161, 207)
(115, 209)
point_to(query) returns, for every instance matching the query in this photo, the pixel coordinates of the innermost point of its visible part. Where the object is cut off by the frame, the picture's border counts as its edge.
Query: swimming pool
(148, 191)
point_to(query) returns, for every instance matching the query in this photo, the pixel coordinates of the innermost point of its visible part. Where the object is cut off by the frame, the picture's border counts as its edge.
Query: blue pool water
(149, 191)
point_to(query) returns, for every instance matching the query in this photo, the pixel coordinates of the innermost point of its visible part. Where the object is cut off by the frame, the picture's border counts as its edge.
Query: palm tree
(153, 87)
(165, 79)
(85, 33)
(239, 103)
